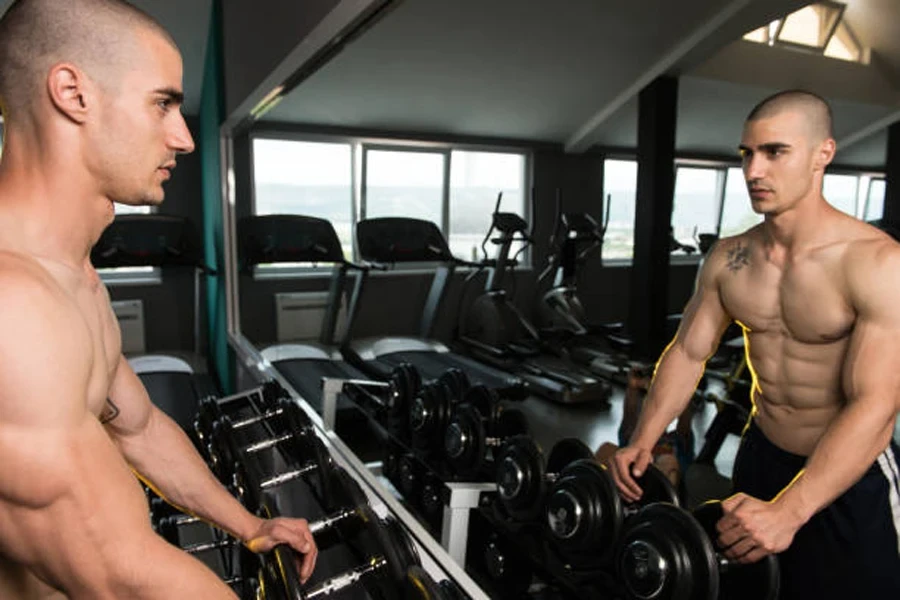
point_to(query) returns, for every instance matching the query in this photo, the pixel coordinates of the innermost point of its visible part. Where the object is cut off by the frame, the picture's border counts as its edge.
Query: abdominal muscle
(797, 389)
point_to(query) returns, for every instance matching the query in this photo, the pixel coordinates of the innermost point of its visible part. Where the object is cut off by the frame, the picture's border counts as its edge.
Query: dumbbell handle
(287, 476)
(207, 546)
(269, 443)
(242, 423)
(330, 521)
(345, 580)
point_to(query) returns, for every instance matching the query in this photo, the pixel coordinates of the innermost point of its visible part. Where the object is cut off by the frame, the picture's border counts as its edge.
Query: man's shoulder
(871, 264)
(24, 279)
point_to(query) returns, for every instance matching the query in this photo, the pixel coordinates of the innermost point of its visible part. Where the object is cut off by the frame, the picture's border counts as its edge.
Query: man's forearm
(847, 449)
(673, 385)
(165, 457)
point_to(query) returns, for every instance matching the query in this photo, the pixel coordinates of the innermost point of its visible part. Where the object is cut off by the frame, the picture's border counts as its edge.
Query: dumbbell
(432, 408)
(263, 400)
(431, 500)
(478, 423)
(667, 553)
(585, 514)
(523, 479)
(388, 552)
(314, 465)
(295, 429)
(354, 513)
(510, 574)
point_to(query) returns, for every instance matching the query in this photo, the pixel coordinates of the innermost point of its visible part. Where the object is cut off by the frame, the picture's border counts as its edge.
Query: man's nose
(180, 138)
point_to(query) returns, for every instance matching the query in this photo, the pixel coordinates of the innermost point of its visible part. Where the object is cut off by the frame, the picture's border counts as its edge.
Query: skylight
(815, 28)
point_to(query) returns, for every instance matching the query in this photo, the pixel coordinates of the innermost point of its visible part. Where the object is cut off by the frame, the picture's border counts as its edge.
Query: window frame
(358, 147)
(722, 166)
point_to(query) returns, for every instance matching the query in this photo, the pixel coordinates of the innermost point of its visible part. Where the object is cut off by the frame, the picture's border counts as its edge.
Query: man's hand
(752, 529)
(627, 464)
(293, 532)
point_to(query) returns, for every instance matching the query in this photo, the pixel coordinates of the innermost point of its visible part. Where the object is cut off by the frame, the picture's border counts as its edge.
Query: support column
(653, 214)
(892, 179)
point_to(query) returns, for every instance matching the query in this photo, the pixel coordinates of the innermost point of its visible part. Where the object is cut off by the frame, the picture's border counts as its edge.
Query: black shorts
(850, 549)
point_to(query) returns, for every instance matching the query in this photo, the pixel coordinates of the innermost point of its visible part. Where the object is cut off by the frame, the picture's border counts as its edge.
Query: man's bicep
(128, 407)
(704, 318)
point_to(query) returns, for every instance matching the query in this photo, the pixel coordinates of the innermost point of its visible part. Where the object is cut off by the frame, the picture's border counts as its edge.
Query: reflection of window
(818, 28)
(620, 190)
(696, 203)
(875, 200)
(404, 184)
(305, 178)
(476, 178)
(737, 213)
(840, 191)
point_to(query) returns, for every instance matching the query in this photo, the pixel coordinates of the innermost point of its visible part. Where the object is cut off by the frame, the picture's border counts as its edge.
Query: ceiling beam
(582, 139)
(870, 129)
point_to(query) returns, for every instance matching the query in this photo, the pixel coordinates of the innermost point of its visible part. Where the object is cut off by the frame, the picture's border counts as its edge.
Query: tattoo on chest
(110, 412)
(738, 257)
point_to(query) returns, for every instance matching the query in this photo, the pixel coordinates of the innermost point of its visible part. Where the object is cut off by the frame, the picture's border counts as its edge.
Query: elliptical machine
(495, 331)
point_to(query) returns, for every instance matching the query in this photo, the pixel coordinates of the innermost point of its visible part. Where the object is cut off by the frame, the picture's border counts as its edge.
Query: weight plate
(758, 581)
(456, 383)
(484, 400)
(506, 569)
(410, 477)
(421, 586)
(521, 478)
(464, 441)
(664, 554)
(656, 487)
(321, 479)
(567, 451)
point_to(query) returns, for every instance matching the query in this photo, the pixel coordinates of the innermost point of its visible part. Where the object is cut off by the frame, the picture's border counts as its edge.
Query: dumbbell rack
(458, 503)
(436, 559)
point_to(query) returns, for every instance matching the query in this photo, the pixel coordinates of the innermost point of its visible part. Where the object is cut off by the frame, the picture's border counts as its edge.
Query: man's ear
(69, 91)
(825, 153)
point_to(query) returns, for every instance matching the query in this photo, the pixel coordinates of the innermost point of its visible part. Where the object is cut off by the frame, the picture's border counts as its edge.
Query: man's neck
(48, 210)
(799, 228)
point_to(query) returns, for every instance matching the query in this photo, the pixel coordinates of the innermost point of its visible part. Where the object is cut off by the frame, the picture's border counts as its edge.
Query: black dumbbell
(510, 574)
(432, 500)
(388, 551)
(667, 553)
(314, 465)
(432, 408)
(523, 478)
(585, 513)
(355, 513)
(295, 429)
(263, 400)
(478, 423)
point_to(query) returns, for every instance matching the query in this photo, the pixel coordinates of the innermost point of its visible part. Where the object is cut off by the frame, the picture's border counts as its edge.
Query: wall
(169, 307)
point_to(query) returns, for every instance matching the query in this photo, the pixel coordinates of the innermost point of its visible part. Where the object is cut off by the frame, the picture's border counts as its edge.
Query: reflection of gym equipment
(667, 553)
(480, 423)
(585, 512)
(300, 239)
(497, 333)
(175, 382)
(391, 241)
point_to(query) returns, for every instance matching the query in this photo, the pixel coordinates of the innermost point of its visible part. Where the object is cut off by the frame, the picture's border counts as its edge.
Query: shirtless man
(91, 93)
(818, 295)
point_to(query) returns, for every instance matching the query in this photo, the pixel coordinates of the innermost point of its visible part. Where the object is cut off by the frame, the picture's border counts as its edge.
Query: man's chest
(805, 300)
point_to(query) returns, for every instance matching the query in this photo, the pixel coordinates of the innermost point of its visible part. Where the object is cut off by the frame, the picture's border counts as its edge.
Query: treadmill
(175, 381)
(397, 240)
(270, 239)
(497, 333)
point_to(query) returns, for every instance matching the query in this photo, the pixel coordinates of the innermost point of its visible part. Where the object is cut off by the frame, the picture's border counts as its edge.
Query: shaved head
(97, 36)
(814, 108)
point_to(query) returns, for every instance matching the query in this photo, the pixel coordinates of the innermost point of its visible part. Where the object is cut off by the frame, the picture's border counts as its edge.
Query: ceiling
(515, 69)
(188, 23)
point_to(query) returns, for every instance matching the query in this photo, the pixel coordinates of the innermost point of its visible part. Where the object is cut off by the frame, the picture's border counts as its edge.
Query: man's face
(140, 129)
(778, 163)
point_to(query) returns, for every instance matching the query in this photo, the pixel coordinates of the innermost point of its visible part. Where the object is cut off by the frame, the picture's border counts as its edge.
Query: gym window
(620, 192)
(347, 180)
(817, 28)
(712, 198)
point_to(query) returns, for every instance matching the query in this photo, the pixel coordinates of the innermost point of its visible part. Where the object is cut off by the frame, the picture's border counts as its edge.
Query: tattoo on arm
(110, 412)
(738, 257)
